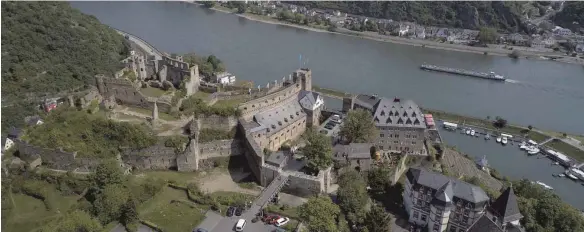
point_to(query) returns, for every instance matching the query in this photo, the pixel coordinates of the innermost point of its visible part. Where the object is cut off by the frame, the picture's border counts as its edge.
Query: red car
(270, 219)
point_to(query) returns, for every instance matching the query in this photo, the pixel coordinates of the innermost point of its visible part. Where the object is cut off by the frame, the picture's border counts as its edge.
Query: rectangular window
(381, 135)
(380, 147)
(436, 227)
(415, 214)
(423, 217)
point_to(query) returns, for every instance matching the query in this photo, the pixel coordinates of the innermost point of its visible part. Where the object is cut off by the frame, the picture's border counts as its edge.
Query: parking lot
(330, 131)
(217, 223)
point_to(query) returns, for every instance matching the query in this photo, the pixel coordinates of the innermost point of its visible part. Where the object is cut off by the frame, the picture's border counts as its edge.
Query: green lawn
(181, 178)
(567, 149)
(169, 215)
(330, 91)
(30, 213)
(152, 92)
(148, 112)
(291, 212)
(229, 103)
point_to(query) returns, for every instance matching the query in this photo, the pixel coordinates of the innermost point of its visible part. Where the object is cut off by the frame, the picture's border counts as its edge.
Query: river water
(545, 94)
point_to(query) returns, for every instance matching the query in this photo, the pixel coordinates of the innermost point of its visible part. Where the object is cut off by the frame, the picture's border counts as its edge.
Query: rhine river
(545, 94)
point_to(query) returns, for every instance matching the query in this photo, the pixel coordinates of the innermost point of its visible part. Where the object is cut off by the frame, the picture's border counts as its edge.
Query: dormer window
(417, 122)
(273, 126)
(400, 121)
(376, 119)
(291, 116)
(285, 119)
(408, 121)
(297, 113)
(279, 123)
(382, 113)
(405, 114)
(390, 113)
(388, 120)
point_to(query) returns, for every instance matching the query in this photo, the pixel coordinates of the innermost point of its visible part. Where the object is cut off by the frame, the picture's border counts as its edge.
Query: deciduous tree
(352, 196)
(358, 127)
(379, 179)
(106, 173)
(320, 214)
(487, 35)
(318, 151)
(108, 205)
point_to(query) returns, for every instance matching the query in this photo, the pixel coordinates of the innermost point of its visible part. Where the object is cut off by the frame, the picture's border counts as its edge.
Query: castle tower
(99, 83)
(440, 207)
(192, 85)
(155, 112)
(305, 77)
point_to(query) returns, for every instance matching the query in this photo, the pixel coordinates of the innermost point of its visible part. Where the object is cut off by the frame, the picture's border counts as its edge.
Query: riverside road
(544, 94)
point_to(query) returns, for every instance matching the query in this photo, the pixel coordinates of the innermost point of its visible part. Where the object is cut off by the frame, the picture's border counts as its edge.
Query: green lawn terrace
(90, 135)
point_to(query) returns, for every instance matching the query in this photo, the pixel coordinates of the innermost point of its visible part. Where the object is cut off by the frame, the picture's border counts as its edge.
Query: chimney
(396, 99)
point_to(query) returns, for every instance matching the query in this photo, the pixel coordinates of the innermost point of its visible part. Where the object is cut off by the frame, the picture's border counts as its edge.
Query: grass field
(567, 149)
(164, 211)
(152, 92)
(30, 213)
(181, 178)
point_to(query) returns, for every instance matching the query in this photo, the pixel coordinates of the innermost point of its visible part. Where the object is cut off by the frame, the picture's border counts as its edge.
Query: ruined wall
(306, 185)
(189, 160)
(127, 94)
(220, 148)
(253, 154)
(155, 157)
(55, 159)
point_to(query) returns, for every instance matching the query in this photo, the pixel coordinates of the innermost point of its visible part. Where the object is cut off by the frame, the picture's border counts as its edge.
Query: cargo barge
(490, 76)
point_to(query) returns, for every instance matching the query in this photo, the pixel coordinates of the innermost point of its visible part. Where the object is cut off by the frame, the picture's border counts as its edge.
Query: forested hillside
(572, 12)
(506, 16)
(49, 47)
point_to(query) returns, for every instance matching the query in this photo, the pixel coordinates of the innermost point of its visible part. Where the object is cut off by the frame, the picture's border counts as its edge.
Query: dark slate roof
(399, 113)
(461, 189)
(505, 207)
(15, 133)
(366, 101)
(484, 224)
(279, 117)
(353, 150)
(307, 99)
(444, 195)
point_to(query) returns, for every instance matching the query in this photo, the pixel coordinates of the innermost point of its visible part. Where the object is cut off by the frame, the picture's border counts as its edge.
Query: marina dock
(490, 76)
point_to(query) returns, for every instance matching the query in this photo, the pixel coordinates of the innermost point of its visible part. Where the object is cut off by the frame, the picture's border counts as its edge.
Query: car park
(230, 211)
(238, 211)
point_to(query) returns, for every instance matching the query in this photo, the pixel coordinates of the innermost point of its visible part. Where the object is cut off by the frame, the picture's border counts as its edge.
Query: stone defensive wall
(154, 157)
(298, 182)
(217, 122)
(220, 148)
(124, 91)
(52, 158)
(270, 100)
(254, 155)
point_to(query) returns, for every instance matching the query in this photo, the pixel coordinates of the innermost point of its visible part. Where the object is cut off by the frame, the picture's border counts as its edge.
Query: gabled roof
(484, 224)
(308, 99)
(505, 207)
(460, 189)
(445, 194)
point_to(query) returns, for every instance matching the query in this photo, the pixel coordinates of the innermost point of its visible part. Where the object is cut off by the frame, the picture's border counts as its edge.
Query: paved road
(145, 45)
(217, 223)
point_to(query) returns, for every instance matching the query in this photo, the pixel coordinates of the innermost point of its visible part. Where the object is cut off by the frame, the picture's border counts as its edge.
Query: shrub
(515, 54)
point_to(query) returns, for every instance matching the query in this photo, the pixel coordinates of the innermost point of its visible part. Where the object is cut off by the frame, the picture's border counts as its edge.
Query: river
(544, 94)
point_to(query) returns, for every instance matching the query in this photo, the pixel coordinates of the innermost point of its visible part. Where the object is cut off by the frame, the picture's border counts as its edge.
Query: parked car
(230, 211)
(282, 221)
(238, 211)
(330, 127)
(240, 225)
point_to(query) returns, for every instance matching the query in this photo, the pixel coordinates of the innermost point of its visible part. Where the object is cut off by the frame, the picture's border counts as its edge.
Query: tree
(108, 205)
(342, 224)
(129, 213)
(76, 221)
(298, 18)
(285, 15)
(320, 214)
(500, 122)
(318, 151)
(377, 219)
(379, 179)
(107, 173)
(241, 9)
(515, 54)
(487, 35)
(352, 196)
(358, 127)
(209, 4)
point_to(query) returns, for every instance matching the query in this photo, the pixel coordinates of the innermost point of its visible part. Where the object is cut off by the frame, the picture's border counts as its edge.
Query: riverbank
(485, 124)
(407, 41)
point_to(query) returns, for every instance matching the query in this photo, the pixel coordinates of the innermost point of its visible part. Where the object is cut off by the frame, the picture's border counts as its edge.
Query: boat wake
(512, 81)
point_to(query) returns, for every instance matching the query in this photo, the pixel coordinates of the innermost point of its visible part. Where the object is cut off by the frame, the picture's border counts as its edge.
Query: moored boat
(498, 139)
(504, 141)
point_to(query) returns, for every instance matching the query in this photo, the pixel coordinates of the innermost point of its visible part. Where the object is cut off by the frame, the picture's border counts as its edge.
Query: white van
(240, 225)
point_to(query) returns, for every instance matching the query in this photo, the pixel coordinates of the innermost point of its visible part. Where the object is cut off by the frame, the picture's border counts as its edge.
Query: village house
(537, 43)
(420, 32)
(442, 33)
(33, 120)
(580, 47)
(517, 39)
(559, 31)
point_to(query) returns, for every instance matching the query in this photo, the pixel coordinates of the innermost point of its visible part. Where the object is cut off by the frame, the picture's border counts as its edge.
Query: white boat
(561, 175)
(543, 185)
(533, 151)
(504, 140)
(572, 177)
(468, 132)
(487, 137)
(556, 163)
(472, 132)
(523, 147)
(498, 139)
